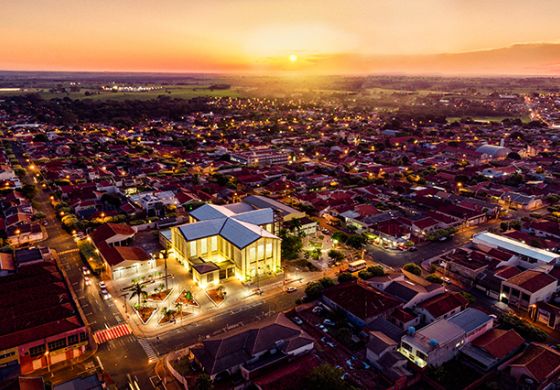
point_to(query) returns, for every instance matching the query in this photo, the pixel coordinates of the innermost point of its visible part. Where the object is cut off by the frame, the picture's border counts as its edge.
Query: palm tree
(179, 307)
(189, 296)
(138, 291)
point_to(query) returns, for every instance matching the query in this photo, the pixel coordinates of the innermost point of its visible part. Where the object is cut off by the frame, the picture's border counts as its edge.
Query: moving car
(291, 289)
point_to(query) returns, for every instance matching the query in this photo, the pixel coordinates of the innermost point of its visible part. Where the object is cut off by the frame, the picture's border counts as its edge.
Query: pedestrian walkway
(152, 355)
(102, 336)
(76, 250)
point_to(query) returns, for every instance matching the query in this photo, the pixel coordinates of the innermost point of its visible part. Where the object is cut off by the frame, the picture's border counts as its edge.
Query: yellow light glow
(293, 58)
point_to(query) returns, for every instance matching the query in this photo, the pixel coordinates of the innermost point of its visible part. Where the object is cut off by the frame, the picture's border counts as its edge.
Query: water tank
(433, 343)
(411, 330)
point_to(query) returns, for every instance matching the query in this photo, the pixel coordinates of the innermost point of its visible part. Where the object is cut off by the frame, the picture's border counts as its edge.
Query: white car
(291, 289)
(87, 281)
(85, 270)
(105, 294)
(102, 286)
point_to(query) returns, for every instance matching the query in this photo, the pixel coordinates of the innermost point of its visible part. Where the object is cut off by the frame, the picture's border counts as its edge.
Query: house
(519, 201)
(119, 259)
(412, 293)
(538, 367)
(360, 303)
(40, 325)
(236, 238)
(381, 351)
(442, 340)
(547, 313)
(251, 350)
(441, 306)
(492, 348)
(523, 255)
(527, 288)
(547, 229)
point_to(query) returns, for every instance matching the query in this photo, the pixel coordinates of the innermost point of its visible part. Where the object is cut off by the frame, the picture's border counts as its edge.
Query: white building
(441, 340)
(524, 255)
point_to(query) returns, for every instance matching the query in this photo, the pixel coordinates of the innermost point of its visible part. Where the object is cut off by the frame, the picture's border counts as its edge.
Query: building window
(422, 355)
(83, 336)
(193, 248)
(57, 344)
(525, 297)
(505, 289)
(73, 339)
(37, 350)
(213, 244)
(203, 246)
(406, 346)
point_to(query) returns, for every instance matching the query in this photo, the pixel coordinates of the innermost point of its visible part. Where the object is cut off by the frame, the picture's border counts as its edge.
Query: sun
(293, 58)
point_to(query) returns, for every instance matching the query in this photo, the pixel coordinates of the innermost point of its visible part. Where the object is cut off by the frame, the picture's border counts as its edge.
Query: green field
(182, 92)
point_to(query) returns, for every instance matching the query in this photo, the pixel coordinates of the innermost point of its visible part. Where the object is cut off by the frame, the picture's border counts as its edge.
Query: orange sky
(328, 36)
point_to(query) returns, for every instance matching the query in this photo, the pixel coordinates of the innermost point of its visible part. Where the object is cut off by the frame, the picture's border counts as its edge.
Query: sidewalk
(152, 329)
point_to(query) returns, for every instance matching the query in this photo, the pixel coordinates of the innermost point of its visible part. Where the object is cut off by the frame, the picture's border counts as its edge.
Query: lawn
(181, 92)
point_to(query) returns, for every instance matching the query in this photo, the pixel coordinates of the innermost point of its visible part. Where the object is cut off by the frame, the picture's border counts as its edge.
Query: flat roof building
(441, 340)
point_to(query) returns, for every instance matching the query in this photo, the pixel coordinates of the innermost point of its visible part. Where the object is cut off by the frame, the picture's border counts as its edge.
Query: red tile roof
(362, 301)
(541, 361)
(499, 343)
(531, 281)
(444, 303)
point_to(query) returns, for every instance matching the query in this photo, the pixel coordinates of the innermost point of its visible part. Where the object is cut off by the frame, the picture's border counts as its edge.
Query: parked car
(87, 281)
(291, 289)
(297, 320)
(328, 322)
(444, 238)
(85, 270)
(328, 342)
(102, 285)
(317, 309)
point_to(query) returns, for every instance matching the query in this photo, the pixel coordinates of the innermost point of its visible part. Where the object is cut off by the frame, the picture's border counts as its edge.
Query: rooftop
(497, 241)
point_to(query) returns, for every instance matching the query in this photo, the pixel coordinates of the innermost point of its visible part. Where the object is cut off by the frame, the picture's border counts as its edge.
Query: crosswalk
(102, 336)
(148, 349)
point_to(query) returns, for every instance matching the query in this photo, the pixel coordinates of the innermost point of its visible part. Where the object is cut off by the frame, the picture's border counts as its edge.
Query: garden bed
(169, 317)
(145, 313)
(160, 295)
(215, 295)
(186, 300)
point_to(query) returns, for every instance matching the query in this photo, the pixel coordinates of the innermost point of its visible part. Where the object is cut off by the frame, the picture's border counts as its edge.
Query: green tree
(413, 268)
(376, 270)
(345, 277)
(314, 290)
(139, 292)
(326, 377)
(335, 255)
(291, 246)
(203, 382)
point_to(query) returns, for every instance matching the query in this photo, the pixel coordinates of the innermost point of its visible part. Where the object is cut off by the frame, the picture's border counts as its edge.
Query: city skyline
(356, 37)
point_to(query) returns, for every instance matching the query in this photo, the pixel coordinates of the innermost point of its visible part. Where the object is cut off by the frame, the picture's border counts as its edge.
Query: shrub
(413, 268)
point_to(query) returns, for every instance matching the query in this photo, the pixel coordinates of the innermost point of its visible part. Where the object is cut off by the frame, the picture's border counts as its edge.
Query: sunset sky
(327, 36)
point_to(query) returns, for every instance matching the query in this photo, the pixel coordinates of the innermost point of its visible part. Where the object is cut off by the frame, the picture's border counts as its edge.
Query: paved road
(396, 258)
(120, 358)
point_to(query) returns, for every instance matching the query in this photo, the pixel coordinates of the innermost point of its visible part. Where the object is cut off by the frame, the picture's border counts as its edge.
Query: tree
(314, 290)
(325, 377)
(139, 292)
(291, 246)
(335, 255)
(376, 270)
(413, 268)
(434, 279)
(326, 282)
(203, 382)
(344, 277)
